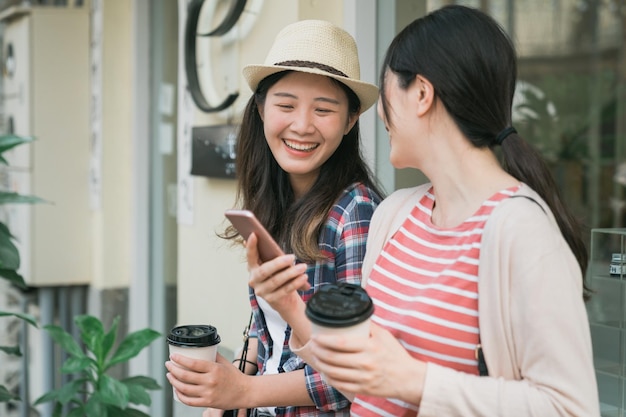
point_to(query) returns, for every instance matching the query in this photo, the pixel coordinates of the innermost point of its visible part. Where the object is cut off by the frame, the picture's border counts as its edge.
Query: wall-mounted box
(45, 94)
(213, 151)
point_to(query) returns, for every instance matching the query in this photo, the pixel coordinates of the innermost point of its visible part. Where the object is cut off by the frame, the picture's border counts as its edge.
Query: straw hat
(316, 47)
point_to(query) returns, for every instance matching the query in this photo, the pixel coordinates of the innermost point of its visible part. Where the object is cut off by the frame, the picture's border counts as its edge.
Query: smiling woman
(301, 172)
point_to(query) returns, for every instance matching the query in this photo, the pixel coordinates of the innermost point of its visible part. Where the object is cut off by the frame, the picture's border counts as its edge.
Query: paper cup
(340, 308)
(194, 341)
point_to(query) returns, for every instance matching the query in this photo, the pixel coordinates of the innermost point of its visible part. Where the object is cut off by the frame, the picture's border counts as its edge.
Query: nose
(302, 122)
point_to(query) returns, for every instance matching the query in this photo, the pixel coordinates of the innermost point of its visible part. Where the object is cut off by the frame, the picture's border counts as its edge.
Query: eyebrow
(323, 99)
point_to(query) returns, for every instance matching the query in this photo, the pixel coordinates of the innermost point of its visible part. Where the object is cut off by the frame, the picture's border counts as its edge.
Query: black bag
(242, 366)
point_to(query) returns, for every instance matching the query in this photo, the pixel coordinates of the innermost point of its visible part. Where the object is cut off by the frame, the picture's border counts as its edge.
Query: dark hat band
(310, 64)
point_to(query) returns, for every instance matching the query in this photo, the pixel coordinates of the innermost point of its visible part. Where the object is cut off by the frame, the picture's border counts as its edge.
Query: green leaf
(9, 255)
(77, 412)
(109, 339)
(144, 381)
(113, 392)
(10, 141)
(10, 258)
(58, 409)
(70, 391)
(92, 334)
(64, 339)
(14, 278)
(11, 350)
(27, 317)
(74, 364)
(10, 197)
(132, 345)
(5, 230)
(47, 397)
(138, 395)
(95, 407)
(5, 395)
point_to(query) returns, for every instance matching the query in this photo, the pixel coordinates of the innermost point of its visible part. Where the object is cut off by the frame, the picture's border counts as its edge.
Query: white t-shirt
(276, 327)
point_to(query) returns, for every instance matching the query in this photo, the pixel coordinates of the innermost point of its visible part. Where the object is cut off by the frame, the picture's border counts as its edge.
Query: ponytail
(524, 162)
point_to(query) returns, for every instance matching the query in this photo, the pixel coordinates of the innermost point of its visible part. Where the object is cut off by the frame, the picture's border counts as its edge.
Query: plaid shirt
(342, 241)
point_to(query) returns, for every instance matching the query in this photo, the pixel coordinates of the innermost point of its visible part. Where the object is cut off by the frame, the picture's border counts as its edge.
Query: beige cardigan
(533, 323)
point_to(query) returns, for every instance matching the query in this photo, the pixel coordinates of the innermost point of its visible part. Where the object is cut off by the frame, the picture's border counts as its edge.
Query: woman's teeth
(300, 146)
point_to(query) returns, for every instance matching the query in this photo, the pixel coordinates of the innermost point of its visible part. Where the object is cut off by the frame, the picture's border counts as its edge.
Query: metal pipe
(65, 321)
(46, 309)
(77, 307)
(24, 404)
(78, 295)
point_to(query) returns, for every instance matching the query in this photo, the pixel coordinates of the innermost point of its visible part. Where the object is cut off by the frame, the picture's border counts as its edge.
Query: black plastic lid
(193, 336)
(339, 305)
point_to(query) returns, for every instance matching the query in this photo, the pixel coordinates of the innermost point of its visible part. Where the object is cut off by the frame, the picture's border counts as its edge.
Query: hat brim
(366, 92)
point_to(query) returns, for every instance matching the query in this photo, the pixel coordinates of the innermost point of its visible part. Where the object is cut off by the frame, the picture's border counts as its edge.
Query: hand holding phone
(246, 223)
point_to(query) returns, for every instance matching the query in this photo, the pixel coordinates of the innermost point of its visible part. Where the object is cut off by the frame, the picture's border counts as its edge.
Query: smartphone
(246, 222)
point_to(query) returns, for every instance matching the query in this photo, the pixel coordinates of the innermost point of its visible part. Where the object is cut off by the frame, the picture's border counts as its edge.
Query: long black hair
(471, 63)
(264, 188)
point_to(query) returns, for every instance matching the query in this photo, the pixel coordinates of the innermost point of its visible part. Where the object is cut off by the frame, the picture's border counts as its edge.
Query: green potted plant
(95, 393)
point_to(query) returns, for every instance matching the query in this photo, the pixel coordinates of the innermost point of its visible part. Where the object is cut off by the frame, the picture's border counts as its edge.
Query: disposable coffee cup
(341, 308)
(194, 341)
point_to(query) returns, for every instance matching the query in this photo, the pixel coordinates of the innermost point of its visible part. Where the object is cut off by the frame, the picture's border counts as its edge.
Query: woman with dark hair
(300, 170)
(478, 276)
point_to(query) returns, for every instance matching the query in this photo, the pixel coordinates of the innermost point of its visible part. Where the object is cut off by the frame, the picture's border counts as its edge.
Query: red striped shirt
(425, 289)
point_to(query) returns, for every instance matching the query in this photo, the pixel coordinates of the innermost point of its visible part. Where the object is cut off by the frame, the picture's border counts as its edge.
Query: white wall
(112, 222)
